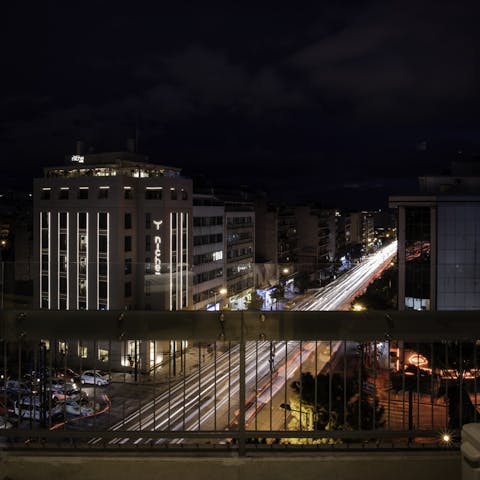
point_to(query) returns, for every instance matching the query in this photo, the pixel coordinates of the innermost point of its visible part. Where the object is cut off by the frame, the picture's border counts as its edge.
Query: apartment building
(316, 234)
(209, 273)
(240, 251)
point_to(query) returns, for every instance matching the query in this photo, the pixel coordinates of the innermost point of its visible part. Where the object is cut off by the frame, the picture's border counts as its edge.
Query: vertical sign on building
(157, 240)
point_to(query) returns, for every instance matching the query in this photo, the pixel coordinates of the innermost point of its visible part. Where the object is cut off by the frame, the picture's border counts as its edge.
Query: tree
(303, 282)
(328, 409)
(381, 293)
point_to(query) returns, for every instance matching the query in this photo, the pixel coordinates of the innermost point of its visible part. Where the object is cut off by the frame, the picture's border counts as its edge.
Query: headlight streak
(185, 397)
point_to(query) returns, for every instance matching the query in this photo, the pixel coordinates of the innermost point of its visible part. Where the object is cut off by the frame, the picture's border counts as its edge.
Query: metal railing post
(242, 397)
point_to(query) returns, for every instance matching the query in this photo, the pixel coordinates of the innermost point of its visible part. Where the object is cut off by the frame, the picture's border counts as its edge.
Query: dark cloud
(322, 94)
(407, 61)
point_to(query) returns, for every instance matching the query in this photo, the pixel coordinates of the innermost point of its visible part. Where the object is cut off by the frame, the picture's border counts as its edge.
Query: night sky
(311, 99)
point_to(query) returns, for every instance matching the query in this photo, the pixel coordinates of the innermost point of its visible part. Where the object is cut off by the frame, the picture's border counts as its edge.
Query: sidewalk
(171, 369)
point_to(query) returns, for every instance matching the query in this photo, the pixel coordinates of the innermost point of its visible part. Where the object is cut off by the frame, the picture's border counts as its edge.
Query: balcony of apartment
(239, 241)
(251, 394)
(239, 257)
(258, 394)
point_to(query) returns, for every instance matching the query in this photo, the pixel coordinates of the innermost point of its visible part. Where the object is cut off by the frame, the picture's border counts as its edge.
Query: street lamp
(222, 292)
(358, 307)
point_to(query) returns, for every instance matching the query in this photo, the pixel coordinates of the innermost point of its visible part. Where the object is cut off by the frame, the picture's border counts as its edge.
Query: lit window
(103, 355)
(83, 242)
(82, 351)
(62, 347)
(82, 287)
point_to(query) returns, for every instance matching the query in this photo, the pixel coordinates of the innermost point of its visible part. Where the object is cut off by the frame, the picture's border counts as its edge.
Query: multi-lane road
(338, 294)
(207, 399)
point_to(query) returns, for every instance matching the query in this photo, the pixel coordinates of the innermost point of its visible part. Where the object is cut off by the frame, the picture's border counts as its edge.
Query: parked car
(17, 387)
(72, 407)
(66, 374)
(67, 392)
(94, 377)
(58, 383)
(31, 407)
(53, 383)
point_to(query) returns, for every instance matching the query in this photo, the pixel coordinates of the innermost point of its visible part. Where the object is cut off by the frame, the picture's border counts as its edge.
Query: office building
(112, 231)
(439, 241)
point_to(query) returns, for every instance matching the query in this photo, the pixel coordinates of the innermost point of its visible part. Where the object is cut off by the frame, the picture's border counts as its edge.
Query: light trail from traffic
(207, 396)
(336, 294)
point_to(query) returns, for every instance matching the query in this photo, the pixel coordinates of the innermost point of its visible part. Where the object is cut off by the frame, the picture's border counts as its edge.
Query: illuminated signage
(78, 158)
(158, 247)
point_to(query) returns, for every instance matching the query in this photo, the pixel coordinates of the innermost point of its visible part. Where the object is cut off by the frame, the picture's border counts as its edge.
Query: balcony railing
(237, 381)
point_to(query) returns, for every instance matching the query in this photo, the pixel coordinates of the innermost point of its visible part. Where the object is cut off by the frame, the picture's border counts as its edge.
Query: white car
(94, 377)
(74, 408)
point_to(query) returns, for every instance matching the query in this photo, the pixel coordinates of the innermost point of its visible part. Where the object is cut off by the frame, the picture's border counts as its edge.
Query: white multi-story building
(111, 232)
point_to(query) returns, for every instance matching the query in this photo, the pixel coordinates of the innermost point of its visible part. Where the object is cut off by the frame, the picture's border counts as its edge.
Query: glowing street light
(358, 307)
(446, 438)
(222, 291)
(309, 421)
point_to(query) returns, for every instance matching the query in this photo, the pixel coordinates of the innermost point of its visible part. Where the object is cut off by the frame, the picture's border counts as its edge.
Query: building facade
(209, 273)
(438, 243)
(112, 231)
(240, 252)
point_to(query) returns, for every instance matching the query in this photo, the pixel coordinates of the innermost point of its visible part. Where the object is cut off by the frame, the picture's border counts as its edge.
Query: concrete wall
(338, 466)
